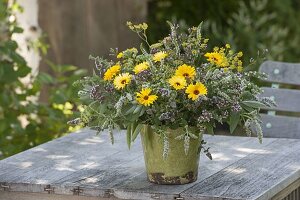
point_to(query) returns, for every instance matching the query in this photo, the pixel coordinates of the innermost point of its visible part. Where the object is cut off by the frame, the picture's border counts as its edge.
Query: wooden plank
(293, 188)
(277, 126)
(259, 175)
(281, 72)
(58, 158)
(225, 151)
(121, 173)
(286, 99)
(37, 196)
(79, 28)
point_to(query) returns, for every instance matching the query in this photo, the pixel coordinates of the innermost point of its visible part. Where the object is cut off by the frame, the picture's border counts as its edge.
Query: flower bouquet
(171, 92)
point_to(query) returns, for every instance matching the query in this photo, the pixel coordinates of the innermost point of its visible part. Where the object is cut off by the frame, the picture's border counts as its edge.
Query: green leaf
(210, 128)
(128, 136)
(254, 104)
(45, 78)
(234, 120)
(143, 49)
(136, 132)
(199, 30)
(138, 109)
(142, 111)
(23, 71)
(130, 110)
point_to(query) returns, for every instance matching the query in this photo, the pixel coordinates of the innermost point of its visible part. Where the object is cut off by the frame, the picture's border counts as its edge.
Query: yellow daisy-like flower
(122, 80)
(157, 57)
(141, 67)
(111, 72)
(196, 90)
(186, 71)
(144, 97)
(120, 55)
(217, 58)
(177, 82)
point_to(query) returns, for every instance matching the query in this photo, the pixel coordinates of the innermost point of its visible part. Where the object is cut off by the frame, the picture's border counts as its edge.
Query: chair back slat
(280, 126)
(286, 99)
(280, 72)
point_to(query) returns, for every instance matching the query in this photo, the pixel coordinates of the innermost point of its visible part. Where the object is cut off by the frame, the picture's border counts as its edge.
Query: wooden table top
(82, 163)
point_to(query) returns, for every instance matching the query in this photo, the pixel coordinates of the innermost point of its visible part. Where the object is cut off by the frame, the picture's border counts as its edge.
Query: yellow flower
(196, 90)
(141, 67)
(227, 46)
(144, 97)
(120, 55)
(186, 71)
(122, 80)
(159, 56)
(239, 68)
(178, 82)
(111, 72)
(217, 58)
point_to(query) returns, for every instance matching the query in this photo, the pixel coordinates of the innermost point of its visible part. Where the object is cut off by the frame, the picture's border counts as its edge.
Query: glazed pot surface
(177, 168)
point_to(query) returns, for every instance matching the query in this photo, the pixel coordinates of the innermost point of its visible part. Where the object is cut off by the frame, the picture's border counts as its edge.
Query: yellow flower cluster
(235, 62)
(112, 72)
(186, 71)
(159, 56)
(65, 108)
(179, 81)
(141, 67)
(122, 80)
(144, 97)
(196, 90)
(220, 59)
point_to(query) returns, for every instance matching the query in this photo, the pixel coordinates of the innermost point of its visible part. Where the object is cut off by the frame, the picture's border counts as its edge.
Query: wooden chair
(287, 100)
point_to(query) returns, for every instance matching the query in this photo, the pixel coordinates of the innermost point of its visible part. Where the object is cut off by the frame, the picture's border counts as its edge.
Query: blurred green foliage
(248, 25)
(24, 121)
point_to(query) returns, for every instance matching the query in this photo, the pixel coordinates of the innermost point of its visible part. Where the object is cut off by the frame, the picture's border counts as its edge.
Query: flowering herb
(176, 83)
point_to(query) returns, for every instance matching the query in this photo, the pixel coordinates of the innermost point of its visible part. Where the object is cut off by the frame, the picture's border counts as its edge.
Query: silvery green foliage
(186, 144)
(165, 146)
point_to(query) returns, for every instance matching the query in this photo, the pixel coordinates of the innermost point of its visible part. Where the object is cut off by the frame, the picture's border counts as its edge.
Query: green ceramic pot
(177, 168)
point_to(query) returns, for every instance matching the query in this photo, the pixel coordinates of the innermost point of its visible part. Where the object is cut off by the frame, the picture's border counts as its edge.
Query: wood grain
(281, 72)
(280, 126)
(286, 99)
(257, 176)
(87, 165)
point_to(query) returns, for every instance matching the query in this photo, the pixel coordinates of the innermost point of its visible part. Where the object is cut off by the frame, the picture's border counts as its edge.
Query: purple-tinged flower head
(143, 75)
(236, 107)
(95, 93)
(225, 114)
(219, 102)
(75, 121)
(167, 116)
(164, 92)
(205, 116)
(109, 88)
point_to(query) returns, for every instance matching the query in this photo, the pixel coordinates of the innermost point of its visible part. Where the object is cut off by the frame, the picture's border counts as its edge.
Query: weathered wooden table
(84, 166)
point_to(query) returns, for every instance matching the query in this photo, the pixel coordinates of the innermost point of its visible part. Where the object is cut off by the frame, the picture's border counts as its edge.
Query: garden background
(45, 46)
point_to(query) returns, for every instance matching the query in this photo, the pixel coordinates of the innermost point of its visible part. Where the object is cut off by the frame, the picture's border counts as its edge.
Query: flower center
(178, 84)
(123, 81)
(186, 74)
(196, 92)
(215, 59)
(146, 97)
